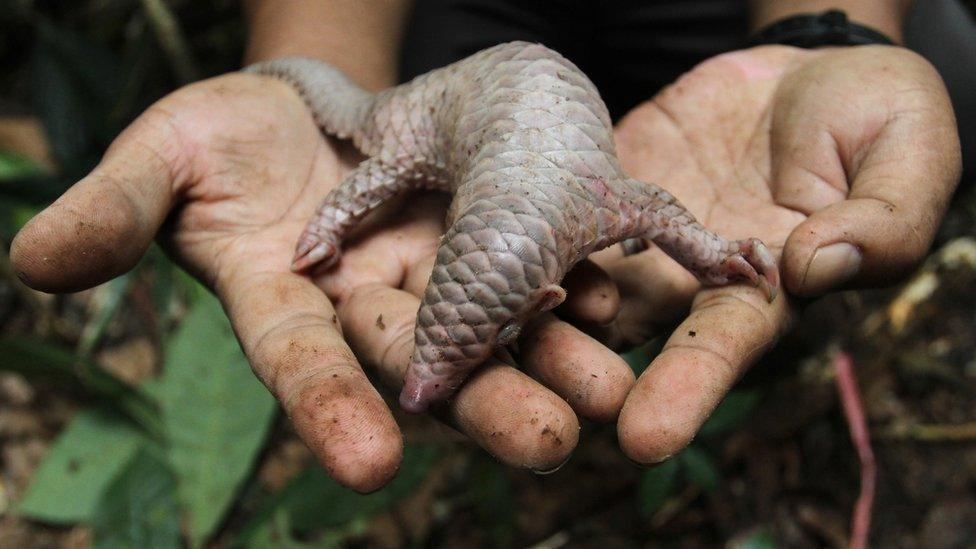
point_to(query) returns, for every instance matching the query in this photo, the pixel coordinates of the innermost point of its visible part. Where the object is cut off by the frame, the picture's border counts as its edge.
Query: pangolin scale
(520, 137)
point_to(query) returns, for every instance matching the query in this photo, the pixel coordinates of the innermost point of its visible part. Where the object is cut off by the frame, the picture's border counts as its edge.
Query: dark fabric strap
(830, 28)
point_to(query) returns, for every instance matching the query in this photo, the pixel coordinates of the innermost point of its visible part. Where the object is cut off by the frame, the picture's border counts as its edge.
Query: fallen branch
(962, 432)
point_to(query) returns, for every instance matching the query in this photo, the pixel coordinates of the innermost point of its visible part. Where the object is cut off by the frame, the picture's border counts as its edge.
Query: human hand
(841, 160)
(225, 173)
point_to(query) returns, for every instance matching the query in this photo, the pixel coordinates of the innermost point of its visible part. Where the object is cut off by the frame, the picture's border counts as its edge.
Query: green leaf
(37, 190)
(138, 509)
(108, 301)
(700, 468)
(164, 294)
(215, 413)
(656, 485)
(314, 502)
(737, 407)
(332, 505)
(13, 166)
(14, 214)
(58, 100)
(277, 534)
(90, 452)
(21, 214)
(98, 71)
(760, 538)
(76, 84)
(491, 493)
(39, 359)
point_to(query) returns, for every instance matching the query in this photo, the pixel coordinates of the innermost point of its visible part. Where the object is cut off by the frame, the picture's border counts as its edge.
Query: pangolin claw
(762, 269)
(312, 252)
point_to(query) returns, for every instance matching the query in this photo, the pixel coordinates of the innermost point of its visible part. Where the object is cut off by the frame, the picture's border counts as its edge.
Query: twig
(104, 304)
(854, 412)
(172, 40)
(557, 540)
(675, 505)
(961, 432)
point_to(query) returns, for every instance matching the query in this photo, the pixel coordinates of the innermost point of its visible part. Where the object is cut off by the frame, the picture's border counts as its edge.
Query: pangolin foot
(311, 250)
(754, 262)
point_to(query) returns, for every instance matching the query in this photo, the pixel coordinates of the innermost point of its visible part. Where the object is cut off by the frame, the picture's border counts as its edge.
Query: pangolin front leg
(364, 189)
(660, 219)
(367, 187)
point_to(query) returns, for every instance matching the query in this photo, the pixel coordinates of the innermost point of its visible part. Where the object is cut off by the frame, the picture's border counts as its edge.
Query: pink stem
(850, 398)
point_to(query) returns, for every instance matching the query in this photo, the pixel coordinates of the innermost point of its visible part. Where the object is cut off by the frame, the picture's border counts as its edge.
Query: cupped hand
(841, 160)
(225, 173)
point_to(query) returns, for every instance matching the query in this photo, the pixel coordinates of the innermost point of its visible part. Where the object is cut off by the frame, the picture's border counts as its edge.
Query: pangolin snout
(425, 384)
(453, 338)
(419, 391)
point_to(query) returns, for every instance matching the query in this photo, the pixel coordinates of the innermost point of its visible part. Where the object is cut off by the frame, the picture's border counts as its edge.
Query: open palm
(841, 160)
(225, 173)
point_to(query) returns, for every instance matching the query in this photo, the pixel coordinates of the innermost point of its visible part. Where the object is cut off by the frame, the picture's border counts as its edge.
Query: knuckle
(156, 133)
(290, 353)
(401, 343)
(319, 399)
(915, 232)
(740, 306)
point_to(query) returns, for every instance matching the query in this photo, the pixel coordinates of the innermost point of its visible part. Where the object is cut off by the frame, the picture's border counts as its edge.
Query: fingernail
(553, 470)
(830, 266)
(651, 465)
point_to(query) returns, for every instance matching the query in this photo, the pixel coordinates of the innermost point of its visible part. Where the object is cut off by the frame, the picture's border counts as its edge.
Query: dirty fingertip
(352, 434)
(516, 419)
(591, 294)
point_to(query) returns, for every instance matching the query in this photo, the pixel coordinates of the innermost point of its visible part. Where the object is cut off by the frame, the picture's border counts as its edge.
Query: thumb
(899, 192)
(104, 223)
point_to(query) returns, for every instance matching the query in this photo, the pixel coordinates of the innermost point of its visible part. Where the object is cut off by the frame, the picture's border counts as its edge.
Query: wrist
(360, 38)
(811, 31)
(884, 16)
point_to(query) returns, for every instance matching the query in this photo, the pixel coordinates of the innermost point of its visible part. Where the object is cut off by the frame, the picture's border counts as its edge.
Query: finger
(727, 330)
(515, 419)
(503, 410)
(591, 295)
(103, 224)
(291, 335)
(655, 291)
(593, 379)
(901, 181)
(418, 274)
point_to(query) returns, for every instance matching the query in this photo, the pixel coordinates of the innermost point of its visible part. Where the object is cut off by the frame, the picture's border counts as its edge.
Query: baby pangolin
(520, 137)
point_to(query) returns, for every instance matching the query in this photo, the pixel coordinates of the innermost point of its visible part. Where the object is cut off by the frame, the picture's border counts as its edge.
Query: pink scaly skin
(522, 140)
